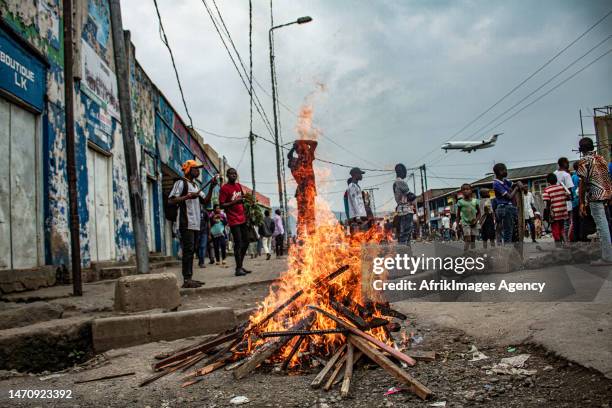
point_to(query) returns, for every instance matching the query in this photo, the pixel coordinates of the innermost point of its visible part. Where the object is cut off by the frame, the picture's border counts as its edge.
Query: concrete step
(115, 272)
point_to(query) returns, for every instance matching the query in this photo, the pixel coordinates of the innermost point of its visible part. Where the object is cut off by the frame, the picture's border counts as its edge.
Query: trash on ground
(438, 404)
(393, 390)
(476, 354)
(516, 361)
(239, 400)
(511, 349)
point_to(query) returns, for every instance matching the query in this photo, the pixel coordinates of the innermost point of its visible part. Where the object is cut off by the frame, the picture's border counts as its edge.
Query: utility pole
(581, 127)
(251, 136)
(129, 142)
(75, 241)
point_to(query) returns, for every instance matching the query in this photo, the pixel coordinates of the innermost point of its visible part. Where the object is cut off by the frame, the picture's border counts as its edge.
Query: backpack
(171, 210)
(217, 229)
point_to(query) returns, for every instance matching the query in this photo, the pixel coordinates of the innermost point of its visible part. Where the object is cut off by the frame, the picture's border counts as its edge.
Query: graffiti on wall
(96, 30)
(99, 82)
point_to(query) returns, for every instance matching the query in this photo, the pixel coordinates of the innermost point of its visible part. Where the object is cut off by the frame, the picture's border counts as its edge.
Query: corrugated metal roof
(524, 173)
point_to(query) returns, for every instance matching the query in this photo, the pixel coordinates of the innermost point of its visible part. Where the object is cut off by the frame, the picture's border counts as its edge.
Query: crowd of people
(576, 207)
(206, 232)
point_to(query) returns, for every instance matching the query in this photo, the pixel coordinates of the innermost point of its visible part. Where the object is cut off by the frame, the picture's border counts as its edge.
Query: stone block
(118, 332)
(136, 293)
(19, 280)
(29, 313)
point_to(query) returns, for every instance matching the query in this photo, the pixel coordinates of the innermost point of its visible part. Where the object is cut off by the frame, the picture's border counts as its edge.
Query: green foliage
(253, 211)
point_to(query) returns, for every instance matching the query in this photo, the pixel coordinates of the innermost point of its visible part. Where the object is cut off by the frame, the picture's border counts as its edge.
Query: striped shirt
(557, 195)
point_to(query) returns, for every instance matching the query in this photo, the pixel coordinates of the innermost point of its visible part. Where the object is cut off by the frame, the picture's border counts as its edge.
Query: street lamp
(282, 198)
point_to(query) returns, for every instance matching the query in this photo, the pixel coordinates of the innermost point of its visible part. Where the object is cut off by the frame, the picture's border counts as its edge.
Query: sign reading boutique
(21, 74)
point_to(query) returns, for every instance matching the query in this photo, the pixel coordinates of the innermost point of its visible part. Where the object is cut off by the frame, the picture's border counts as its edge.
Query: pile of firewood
(352, 321)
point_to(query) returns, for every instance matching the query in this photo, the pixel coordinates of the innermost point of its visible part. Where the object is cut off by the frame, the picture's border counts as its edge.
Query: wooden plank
(316, 383)
(348, 370)
(419, 355)
(205, 370)
(397, 354)
(357, 354)
(106, 377)
(199, 348)
(337, 369)
(379, 358)
(268, 349)
(294, 350)
(348, 314)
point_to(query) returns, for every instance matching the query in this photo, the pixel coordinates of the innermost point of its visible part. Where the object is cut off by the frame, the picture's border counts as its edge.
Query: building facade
(34, 215)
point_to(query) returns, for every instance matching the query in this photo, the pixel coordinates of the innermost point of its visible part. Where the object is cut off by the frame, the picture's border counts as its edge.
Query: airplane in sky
(470, 146)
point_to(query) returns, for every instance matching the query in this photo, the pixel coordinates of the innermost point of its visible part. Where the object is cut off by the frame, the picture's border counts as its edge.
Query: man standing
(356, 205)
(404, 210)
(529, 211)
(265, 232)
(505, 210)
(279, 233)
(565, 179)
(595, 190)
(232, 201)
(445, 227)
(188, 197)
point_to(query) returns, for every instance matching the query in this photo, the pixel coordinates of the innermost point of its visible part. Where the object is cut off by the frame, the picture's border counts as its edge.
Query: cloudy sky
(400, 78)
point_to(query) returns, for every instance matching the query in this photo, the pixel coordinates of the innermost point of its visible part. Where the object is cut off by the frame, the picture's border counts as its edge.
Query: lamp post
(282, 195)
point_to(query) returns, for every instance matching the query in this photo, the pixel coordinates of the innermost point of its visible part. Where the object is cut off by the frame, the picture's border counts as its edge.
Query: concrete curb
(125, 331)
(209, 289)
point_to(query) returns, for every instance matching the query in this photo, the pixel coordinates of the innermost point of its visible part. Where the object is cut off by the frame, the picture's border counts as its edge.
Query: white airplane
(470, 146)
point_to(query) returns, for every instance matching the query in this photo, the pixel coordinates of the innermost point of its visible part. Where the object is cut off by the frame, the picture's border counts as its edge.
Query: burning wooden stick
(292, 333)
(348, 371)
(397, 354)
(379, 358)
(268, 349)
(316, 383)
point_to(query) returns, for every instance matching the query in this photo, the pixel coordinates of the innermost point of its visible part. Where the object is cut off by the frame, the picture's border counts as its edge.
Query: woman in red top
(232, 201)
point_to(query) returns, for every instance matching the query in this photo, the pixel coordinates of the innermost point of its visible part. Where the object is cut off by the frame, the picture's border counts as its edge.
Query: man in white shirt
(187, 196)
(529, 211)
(564, 178)
(356, 205)
(446, 227)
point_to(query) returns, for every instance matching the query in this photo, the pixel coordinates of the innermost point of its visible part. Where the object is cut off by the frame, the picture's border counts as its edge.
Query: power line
(258, 106)
(525, 80)
(221, 136)
(571, 64)
(167, 44)
(552, 89)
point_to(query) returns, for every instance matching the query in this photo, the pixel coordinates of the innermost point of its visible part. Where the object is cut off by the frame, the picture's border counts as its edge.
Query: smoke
(305, 128)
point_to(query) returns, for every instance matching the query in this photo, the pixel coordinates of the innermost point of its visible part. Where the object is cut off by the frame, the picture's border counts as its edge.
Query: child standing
(468, 210)
(505, 210)
(487, 229)
(555, 196)
(217, 230)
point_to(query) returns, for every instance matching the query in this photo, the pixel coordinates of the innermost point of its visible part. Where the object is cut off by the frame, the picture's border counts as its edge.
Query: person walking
(555, 196)
(278, 235)
(529, 210)
(187, 197)
(202, 242)
(217, 231)
(468, 211)
(595, 190)
(404, 200)
(265, 232)
(505, 210)
(564, 177)
(231, 199)
(577, 230)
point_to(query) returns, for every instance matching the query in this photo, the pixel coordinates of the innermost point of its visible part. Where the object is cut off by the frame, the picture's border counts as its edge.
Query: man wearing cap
(356, 205)
(187, 196)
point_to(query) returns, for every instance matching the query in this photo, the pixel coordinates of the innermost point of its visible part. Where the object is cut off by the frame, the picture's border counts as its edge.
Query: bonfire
(314, 315)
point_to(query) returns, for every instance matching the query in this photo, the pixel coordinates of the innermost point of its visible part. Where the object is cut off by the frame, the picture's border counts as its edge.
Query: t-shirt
(594, 170)
(575, 197)
(557, 195)
(355, 201)
(502, 189)
(445, 222)
(565, 178)
(528, 204)
(235, 214)
(400, 191)
(468, 210)
(278, 226)
(193, 219)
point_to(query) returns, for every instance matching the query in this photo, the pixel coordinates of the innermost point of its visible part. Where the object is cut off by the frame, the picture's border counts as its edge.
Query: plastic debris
(516, 361)
(239, 400)
(511, 349)
(438, 404)
(512, 366)
(416, 339)
(393, 390)
(51, 376)
(548, 368)
(476, 354)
